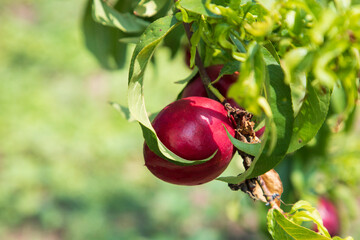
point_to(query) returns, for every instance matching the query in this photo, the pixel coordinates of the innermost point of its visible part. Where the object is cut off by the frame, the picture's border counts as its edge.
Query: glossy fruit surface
(192, 128)
(329, 215)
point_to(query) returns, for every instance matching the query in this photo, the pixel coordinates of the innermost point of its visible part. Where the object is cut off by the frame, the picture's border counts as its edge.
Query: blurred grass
(70, 166)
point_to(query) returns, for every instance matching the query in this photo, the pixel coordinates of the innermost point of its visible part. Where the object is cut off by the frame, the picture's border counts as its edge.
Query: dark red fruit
(192, 128)
(329, 215)
(260, 132)
(196, 87)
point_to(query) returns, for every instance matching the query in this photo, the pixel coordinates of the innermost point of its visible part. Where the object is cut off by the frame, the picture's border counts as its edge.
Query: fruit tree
(271, 80)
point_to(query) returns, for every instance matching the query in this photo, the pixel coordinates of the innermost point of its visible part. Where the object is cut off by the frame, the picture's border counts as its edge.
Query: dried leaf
(273, 184)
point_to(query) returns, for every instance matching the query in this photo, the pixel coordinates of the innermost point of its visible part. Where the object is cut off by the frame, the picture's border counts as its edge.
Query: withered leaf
(273, 184)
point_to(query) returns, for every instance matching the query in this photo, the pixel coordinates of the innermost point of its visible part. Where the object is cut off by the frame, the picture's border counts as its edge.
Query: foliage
(290, 53)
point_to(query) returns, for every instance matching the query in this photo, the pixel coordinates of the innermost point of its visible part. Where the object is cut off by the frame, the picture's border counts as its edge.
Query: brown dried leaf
(273, 183)
(258, 193)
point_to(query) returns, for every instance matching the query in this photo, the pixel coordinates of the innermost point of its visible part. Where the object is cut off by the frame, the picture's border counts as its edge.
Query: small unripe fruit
(192, 128)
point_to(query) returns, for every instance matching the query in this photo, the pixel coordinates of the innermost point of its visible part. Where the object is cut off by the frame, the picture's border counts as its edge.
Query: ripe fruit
(192, 128)
(329, 215)
(196, 87)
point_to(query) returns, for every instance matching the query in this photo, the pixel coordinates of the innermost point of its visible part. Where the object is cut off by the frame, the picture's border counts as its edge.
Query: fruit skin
(329, 215)
(192, 128)
(196, 87)
(260, 132)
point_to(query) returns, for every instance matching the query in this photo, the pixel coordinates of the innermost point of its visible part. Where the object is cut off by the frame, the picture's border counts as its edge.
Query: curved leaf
(229, 68)
(289, 227)
(141, 56)
(124, 111)
(252, 149)
(109, 16)
(197, 6)
(311, 116)
(148, 8)
(282, 228)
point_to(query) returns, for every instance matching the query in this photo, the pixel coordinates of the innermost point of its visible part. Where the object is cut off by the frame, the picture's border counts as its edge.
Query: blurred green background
(70, 166)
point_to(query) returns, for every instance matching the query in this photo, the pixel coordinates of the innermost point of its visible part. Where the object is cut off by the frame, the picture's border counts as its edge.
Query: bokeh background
(71, 166)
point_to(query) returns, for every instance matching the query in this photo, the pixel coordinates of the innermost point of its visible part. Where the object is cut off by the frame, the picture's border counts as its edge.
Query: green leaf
(247, 90)
(129, 40)
(310, 117)
(148, 8)
(143, 51)
(270, 47)
(228, 69)
(173, 40)
(279, 98)
(339, 238)
(124, 111)
(197, 6)
(302, 211)
(109, 16)
(103, 42)
(190, 77)
(282, 228)
(252, 149)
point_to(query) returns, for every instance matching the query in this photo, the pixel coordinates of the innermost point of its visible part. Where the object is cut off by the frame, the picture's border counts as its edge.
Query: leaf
(281, 125)
(252, 149)
(129, 40)
(272, 181)
(143, 51)
(302, 211)
(148, 8)
(109, 16)
(103, 42)
(310, 117)
(228, 69)
(124, 111)
(190, 77)
(197, 6)
(282, 228)
(173, 40)
(270, 47)
(247, 90)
